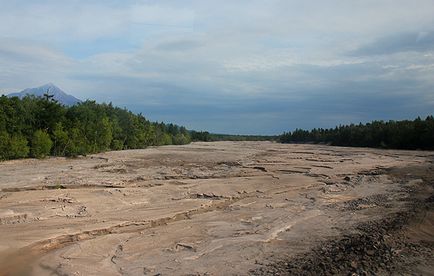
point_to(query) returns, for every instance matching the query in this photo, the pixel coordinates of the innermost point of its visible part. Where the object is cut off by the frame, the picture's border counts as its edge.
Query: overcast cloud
(252, 67)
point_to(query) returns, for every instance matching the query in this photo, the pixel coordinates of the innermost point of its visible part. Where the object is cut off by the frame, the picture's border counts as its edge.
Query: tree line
(213, 137)
(40, 126)
(406, 134)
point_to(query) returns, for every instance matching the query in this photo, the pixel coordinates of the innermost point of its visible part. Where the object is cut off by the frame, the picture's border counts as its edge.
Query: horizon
(204, 130)
(236, 68)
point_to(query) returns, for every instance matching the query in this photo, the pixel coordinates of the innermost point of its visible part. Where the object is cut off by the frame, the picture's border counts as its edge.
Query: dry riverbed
(223, 208)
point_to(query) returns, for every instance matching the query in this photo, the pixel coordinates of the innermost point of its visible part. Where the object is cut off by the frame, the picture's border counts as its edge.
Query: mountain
(51, 89)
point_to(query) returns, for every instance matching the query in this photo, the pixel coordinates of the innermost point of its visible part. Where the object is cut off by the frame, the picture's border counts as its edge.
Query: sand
(222, 208)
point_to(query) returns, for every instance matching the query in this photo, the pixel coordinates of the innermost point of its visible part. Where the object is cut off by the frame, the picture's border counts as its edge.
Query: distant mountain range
(51, 89)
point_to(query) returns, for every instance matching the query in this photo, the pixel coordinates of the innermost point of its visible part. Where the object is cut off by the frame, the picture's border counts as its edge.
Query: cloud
(179, 45)
(401, 42)
(231, 66)
(88, 19)
(25, 51)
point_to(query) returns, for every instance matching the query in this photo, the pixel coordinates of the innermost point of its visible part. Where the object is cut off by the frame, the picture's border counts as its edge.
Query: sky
(228, 66)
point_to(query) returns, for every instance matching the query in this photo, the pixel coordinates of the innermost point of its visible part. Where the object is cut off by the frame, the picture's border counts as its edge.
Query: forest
(40, 126)
(213, 137)
(406, 134)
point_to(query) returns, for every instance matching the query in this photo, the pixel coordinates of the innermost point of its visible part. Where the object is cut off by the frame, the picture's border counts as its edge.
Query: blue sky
(249, 67)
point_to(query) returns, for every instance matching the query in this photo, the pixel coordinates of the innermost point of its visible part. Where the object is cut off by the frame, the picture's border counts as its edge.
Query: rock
(260, 168)
(354, 264)
(370, 252)
(186, 246)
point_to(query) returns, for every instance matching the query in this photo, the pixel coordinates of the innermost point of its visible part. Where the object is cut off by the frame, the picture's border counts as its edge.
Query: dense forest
(40, 126)
(417, 134)
(212, 137)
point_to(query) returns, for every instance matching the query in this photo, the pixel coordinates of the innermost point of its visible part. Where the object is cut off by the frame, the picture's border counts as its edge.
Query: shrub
(12, 147)
(4, 145)
(18, 147)
(117, 144)
(41, 144)
(78, 144)
(180, 139)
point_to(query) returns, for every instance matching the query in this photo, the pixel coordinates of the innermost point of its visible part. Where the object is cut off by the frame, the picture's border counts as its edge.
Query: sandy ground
(223, 208)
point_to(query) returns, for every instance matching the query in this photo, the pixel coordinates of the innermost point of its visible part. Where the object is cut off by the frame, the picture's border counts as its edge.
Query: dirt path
(225, 208)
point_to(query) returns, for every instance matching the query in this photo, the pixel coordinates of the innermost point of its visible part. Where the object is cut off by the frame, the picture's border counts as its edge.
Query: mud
(225, 208)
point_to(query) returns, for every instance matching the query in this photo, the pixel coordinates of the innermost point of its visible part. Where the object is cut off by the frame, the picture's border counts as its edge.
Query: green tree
(77, 143)
(105, 134)
(61, 139)
(166, 139)
(18, 147)
(41, 144)
(180, 139)
(116, 144)
(4, 145)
